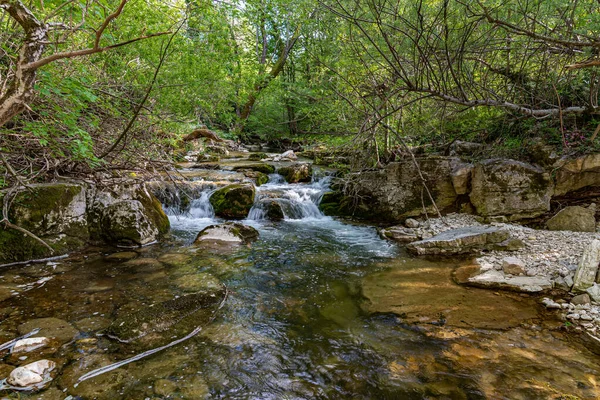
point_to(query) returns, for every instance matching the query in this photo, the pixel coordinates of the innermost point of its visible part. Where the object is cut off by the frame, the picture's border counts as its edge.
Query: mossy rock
(154, 210)
(233, 201)
(335, 204)
(258, 177)
(296, 173)
(264, 168)
(53, 212)
(257, 156)
(274, 210)
(203, 157)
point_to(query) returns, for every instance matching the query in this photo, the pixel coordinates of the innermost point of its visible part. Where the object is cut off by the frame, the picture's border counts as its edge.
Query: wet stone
(197, 282)
(175, 259)
(143, 265)
(122, 256)
(92, 324)
(55, 328)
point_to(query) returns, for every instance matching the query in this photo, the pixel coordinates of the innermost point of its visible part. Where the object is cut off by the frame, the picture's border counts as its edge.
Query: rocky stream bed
(290, 303)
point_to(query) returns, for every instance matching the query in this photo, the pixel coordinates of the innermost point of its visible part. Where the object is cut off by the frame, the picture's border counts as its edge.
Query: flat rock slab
(470, 239)
(497, 280)
(422, 292)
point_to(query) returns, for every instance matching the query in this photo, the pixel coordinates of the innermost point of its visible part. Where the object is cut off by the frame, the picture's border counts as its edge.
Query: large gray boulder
(575, 219)
(510, 189)
(468, 240)
(296, 173)
(585, 275)
(396, 192)
(126, 215)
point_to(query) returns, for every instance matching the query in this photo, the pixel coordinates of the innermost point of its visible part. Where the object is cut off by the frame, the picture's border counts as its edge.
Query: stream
(319, 308)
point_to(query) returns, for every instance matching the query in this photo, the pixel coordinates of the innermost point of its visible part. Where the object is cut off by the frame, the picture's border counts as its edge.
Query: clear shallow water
(317, 309)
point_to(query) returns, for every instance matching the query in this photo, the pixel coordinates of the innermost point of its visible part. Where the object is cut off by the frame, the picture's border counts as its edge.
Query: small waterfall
(201, 207)
(297, 201)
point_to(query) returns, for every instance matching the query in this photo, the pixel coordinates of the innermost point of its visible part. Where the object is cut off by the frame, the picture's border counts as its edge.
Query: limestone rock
(585, 275)
(233, 201)
(578, 173)
(54, 212)
(128, 215)
(594, 292)
(395, 192)
(399, 234)
(287, 155)
(583, 298)
(125, 223)
(412, 223)
(573, 218)
(229, 232)
(461, 178)
(31, 374)
(497, 280)
(513, 266)
(258, 177)
(296, 173)
(269, 209)
(511, 189)
(462, 148)
(466, 240)
(203, 157)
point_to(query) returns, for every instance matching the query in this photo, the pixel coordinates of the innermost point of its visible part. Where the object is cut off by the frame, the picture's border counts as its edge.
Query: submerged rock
(162, 316)
(466, 240)
(233, 201)
(230, 232)
(55, 328)
(575, 219)
(296, 173)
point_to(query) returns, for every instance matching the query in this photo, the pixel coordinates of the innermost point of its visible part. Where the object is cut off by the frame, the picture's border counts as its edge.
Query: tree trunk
(20, 91)
(263, 82)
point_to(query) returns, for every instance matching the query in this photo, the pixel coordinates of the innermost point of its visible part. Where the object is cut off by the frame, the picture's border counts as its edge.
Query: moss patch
(264, 168)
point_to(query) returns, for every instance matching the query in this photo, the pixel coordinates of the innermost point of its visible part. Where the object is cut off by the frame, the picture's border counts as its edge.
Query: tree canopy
(104, 84)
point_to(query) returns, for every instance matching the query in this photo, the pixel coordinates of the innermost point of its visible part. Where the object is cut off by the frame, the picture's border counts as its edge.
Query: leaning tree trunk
(264, 81)
(20, 90)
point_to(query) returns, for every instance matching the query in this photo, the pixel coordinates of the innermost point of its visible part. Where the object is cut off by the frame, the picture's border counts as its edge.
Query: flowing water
(317, 309)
